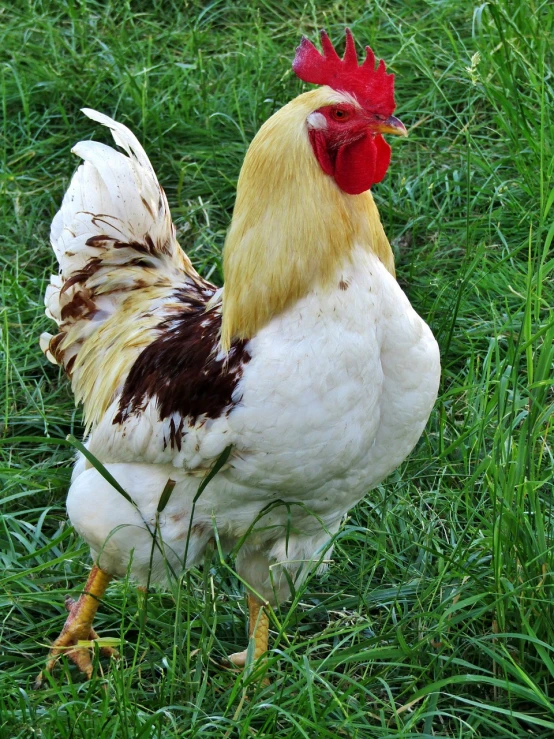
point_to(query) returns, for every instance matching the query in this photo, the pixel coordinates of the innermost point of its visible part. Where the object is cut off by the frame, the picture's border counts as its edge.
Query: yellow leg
(258, 630)
(78, 626)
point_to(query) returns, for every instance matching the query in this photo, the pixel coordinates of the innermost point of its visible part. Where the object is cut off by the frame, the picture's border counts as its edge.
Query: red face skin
(351, 148)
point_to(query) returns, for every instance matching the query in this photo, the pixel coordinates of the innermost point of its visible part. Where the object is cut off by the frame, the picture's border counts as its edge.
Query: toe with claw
(78, 627)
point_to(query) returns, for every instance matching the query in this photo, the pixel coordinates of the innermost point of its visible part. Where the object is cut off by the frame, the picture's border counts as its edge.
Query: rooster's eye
(339, 114)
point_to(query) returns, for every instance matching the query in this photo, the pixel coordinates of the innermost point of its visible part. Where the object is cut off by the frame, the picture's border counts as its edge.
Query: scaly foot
(258, 629)
(78, 627)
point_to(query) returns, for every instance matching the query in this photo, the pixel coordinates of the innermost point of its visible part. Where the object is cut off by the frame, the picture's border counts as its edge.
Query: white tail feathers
(112, 235)
(112, 196)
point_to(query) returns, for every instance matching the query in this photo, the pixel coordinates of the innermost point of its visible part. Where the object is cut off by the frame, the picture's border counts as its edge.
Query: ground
(435, 618)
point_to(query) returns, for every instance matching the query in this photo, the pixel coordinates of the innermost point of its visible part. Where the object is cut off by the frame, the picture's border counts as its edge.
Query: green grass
(436, 617)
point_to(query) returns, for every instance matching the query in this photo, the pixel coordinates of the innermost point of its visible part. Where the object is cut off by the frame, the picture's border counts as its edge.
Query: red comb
(373, 88)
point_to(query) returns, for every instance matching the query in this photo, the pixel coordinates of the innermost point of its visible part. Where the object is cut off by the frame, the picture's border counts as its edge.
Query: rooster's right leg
(258, 631)
(78, 626)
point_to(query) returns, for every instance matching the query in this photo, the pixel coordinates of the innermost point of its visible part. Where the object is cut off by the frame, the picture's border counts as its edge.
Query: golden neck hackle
(292, 228)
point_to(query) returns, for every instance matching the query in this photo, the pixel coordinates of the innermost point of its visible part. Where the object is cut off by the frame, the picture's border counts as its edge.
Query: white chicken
(310, 369)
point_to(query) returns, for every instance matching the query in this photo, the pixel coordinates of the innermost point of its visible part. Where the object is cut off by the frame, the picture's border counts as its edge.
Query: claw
(238, 659)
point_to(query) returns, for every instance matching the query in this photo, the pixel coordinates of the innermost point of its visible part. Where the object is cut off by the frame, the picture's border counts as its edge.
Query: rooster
(308, 378)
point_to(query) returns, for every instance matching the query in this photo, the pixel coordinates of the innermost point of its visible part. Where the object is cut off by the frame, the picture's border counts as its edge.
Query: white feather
(116, 196)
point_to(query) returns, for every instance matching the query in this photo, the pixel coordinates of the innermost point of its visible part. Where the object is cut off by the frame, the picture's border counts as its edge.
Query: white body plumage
(337, 393)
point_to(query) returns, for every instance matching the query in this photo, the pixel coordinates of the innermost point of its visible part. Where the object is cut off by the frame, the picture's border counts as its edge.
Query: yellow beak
(391, 125)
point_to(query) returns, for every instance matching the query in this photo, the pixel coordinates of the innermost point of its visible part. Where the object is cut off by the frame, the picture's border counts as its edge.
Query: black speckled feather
(184, 369)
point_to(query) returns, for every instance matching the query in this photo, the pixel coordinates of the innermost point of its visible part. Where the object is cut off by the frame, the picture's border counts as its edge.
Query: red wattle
(382, 159)
(355, 165)
(358, 165)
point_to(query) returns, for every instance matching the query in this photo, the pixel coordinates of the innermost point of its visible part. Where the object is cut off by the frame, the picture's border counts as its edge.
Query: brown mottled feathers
(183, 367)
